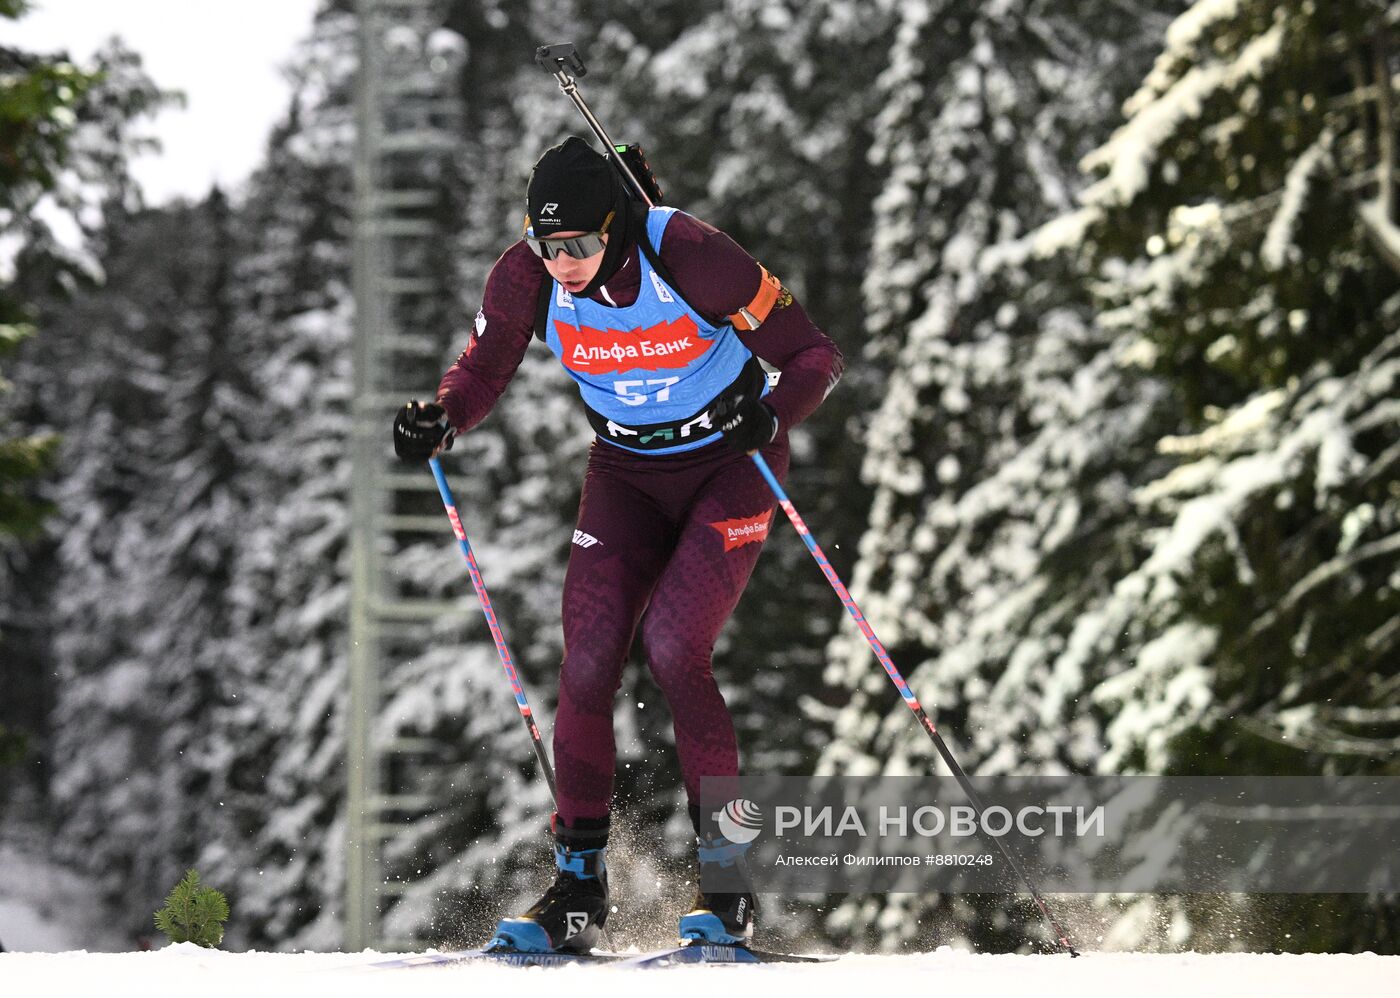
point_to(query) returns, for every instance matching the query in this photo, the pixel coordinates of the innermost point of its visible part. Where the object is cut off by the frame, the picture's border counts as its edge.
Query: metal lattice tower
(408, 119)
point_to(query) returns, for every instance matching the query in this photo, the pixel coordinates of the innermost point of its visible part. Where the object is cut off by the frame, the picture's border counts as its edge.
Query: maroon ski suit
(666, 542)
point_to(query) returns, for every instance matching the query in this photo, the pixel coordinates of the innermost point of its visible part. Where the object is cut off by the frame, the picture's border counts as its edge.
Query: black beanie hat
(573, 188)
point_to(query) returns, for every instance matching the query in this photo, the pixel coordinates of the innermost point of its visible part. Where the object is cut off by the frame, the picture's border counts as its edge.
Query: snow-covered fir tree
(280, 724)
(41, 94)
(91, 368)
(1244, 261)
(1243, 225)
(137, 537)
(1202, 581)
(1002, 424)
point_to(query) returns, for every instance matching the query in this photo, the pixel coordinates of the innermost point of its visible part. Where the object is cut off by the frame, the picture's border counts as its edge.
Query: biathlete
(661, 320)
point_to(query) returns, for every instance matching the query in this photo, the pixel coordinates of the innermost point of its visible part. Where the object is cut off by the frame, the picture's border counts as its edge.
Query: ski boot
(723, 918)
(571, 914)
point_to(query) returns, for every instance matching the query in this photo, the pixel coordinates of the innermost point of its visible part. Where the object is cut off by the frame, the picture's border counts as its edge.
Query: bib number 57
(627, 391)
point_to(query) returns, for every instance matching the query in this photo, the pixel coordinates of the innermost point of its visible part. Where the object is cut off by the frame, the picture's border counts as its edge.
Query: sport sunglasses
(578, 247)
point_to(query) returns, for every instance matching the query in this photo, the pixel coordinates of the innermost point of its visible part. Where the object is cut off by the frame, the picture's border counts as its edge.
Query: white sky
(226, 55)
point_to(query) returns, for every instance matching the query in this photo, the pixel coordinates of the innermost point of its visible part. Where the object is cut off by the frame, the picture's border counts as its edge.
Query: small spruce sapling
(193, 914)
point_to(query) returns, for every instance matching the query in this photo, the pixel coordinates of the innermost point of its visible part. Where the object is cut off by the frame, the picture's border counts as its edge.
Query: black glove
(421, 431)
(747, 421)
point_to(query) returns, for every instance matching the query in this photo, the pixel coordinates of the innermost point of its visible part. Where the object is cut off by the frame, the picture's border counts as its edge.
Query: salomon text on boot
(722, 915)
(572, 912)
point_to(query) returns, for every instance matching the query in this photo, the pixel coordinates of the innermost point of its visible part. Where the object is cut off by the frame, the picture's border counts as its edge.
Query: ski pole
(904, 691)
(507, 662)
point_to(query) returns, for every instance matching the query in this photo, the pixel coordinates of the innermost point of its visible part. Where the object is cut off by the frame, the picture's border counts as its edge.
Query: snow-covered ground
(186, 969)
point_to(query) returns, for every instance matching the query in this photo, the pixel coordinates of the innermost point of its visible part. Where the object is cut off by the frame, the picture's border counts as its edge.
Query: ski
(697, 953)
(711, 953)
(508, 957)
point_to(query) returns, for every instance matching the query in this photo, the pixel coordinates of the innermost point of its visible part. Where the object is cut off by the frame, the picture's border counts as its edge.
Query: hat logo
(550, 208)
